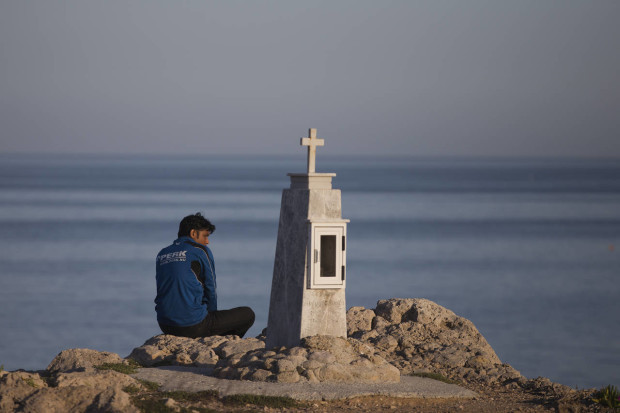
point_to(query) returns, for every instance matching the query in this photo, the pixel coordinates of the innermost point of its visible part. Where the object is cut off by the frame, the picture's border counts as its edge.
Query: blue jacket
(184, 296)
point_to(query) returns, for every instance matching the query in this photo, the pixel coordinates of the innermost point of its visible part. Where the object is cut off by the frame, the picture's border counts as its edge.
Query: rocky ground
(398, 337)
(317, 359)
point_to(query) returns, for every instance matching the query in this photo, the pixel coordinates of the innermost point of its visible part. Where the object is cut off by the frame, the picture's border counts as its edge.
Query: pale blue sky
(422, 78)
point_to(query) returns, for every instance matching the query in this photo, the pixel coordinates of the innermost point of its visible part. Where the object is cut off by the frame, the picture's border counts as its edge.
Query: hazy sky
(424, 78)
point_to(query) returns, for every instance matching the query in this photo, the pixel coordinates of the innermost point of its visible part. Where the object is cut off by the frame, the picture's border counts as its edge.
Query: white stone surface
(295, 309)
(324, 312)
(312, 142)
(311, 180)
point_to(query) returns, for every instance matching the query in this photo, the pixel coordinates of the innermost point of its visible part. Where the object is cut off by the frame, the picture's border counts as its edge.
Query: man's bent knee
(248, 313)
(246, 316)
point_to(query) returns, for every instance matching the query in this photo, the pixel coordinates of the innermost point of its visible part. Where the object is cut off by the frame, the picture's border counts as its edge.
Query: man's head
(197, 228)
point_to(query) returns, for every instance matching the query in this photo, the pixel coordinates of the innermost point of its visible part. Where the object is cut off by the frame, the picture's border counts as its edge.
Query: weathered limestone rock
(78, 399)
(546, 386)
(87, 390)
(22, 380)
(171, 404)
(172, 350)
(95, 378)
(418, 335)
(414, 335)
(81, 359)
(400, 335)
(395, 310)
(16, 386)
(359, 319)
(335, 348)
(233, 347)
(319, 358)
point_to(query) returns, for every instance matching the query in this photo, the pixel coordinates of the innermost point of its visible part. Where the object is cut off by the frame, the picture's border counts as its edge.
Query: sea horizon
(525, 248)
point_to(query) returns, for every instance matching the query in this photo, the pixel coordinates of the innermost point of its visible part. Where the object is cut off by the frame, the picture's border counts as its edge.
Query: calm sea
(529, 250)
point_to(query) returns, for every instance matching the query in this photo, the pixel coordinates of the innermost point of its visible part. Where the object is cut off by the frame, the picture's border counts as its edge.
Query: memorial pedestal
(309, 275)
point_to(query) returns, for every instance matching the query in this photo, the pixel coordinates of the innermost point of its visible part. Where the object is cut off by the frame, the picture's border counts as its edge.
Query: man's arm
(210, 293)
(208, 285)
(212, 287)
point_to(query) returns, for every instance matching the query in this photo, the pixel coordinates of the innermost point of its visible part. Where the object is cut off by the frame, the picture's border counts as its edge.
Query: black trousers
(236, 321)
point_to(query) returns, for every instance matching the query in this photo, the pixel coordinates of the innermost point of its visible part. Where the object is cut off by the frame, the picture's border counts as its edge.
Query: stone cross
(311, 142)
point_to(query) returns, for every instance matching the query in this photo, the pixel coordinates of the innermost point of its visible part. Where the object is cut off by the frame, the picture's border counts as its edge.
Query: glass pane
(328, 256)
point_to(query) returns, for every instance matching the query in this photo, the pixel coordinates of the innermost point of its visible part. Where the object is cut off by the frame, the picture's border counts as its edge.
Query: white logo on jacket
(172, 257)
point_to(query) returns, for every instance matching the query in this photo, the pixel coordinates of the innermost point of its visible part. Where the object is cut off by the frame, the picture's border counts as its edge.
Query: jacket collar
(181, 240)
(190, 241)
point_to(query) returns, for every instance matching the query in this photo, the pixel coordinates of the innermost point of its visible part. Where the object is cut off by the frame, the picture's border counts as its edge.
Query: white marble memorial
(309, 272)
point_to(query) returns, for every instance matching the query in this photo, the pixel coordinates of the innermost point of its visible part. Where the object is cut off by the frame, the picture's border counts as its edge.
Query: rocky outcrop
(71, 385)
(81, 359)
(17, 386)
(317, 359)
(399, 336)
(414, 335)
(418, 335)
(183, 351)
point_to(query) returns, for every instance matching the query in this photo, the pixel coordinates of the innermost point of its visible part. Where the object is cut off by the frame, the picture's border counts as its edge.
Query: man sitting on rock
(186, 302)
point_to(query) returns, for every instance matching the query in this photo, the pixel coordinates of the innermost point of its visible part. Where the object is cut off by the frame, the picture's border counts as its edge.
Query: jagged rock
(22, 379)
(359, 319)
(416, 334)
(479, 363)
(260, 375)
(171, 404)
(15, 386)
(97, 379)
(386, 343)
(112, 399)
(240, 346)
(172, 350)
(543, 385)
(329, 349)
(77, 391)
(378, 323)
(287, 377)
(78, 399)
(205, 358)
(399, 336)
(247, 359)
(284, 365)
(319, 358)
(395, 310)
(78, 387)
(79, 359)
(412, 334)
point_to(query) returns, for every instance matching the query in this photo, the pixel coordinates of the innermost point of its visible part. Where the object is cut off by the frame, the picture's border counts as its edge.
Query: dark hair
(197, 222)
